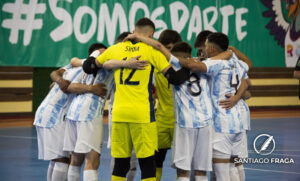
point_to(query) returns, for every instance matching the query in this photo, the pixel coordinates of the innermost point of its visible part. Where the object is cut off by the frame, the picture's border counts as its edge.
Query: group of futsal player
(200, 103)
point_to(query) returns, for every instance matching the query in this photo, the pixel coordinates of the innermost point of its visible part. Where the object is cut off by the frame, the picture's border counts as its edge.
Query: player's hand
(99, 89)
(135, 63)
(63, 85)
(229, 103)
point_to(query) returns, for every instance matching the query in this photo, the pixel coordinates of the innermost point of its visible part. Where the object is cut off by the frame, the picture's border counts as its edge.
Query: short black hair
(201, 38)
(122, 36)
(169, 36)
(145, 22)
(182, 47)
(96, 46)
(219, 39)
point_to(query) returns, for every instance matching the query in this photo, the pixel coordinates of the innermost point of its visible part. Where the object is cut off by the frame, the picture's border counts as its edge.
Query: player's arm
(154, 43)
(232, 100)
(56, 76)
(98, 89)
(195, 65)
(241, 56)
(133, 63)
(176, 77)
(76, 62)
(247, 93)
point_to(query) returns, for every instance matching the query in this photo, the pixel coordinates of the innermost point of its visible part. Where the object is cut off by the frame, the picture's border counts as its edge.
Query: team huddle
(201, 110)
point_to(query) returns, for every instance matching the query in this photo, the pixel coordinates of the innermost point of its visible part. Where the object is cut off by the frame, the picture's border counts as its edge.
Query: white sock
(74, 173)
(234, 174)
(132, 171)
(131, 174)
(241, 171)
(183, 179)
(221, 171)
(60, 171)
(212, 176)
(201, 178)
(90, 175)
(50, 170)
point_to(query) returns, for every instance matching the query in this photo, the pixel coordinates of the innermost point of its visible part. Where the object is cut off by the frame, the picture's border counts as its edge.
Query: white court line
(280, 154)
(275, 171)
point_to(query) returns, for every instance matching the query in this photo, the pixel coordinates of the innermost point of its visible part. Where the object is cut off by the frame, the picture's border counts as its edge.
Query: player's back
(133, 96)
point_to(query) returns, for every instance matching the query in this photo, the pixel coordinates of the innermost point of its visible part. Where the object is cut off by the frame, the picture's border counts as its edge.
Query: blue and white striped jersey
(192, 100)
(245, 114)
(88, 106)
(225, 78)
(54, 107)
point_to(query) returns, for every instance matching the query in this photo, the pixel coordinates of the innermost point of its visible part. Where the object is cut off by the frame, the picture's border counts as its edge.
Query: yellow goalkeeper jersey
(164, 114)
(133, 96)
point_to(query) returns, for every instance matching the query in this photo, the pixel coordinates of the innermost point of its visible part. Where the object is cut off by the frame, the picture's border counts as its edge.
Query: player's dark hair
(182, 47)
(122, 36)
(220, 39)
(169, 36)
(96, 46)
(145, 22)
(201, 38)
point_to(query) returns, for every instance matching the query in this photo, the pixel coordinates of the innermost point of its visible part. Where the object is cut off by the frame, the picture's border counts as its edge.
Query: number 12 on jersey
(128, 81)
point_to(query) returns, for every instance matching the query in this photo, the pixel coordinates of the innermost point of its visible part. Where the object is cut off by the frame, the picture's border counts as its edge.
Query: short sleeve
(67, 67)
(159, 61)
(245, 76)
(298, 64)
(175, 63)
(213, 66)
(106, 55)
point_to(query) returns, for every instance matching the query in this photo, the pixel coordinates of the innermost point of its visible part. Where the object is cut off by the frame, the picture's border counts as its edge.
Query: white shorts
(227, 144)
(82, 137)
(51, 141)
(244, 150)
(192, 148)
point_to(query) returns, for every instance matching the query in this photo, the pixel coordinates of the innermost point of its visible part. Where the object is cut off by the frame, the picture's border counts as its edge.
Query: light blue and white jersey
(54, 107)
(192, 100)
(245, 114)
(110, 107)
(225, 78)
(88, 106)
(242, 68)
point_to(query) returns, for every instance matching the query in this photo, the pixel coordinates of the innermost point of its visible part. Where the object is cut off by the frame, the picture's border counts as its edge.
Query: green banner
(43, 33)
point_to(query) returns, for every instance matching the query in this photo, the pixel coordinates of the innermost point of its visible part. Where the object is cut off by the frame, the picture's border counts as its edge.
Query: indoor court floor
(18, 154)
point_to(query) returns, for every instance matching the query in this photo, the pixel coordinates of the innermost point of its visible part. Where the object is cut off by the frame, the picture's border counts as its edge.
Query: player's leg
(75, 166)
(165, 138)
(133, 165)
(92, 162)
(183, 150)
(77, 159)
(240, 150)
(121, 150)
(60, 170)
(244, 154)
(50, 170)
(202, 157)
(221, 156)
(159, 159)
(53, 150)
(144, 139)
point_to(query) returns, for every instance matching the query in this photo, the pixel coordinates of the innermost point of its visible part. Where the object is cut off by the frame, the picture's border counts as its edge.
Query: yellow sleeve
(106, 55)
(160, 62)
